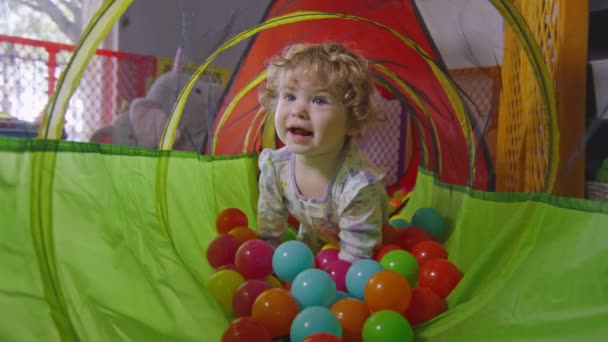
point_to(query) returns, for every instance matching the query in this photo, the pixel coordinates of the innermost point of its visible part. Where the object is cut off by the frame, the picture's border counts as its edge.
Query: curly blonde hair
(342, 72)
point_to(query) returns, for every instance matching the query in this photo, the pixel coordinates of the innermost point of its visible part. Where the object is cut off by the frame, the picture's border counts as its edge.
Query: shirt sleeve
(272, 212)
(361, 223)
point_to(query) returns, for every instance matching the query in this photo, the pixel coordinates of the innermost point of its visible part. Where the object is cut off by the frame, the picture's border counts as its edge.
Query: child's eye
(319, 101)
(289, 97)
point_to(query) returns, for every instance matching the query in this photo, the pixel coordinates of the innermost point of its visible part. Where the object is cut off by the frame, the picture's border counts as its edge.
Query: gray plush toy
(142, 125)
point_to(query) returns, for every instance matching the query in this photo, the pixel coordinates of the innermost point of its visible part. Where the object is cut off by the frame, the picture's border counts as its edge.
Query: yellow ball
(399, 221)
(222, 285)
(273, 281)
(331, 245)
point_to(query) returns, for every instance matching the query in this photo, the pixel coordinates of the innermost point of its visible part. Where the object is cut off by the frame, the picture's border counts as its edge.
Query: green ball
(402, 262)
(387, 325)
(429, 220)
(290, 234)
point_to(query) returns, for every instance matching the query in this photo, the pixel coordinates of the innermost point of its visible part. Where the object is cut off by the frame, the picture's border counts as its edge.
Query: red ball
(222, 250)
(424, 306)
(383, 250)
(254, 259)
(439, 275)
(322, 337)
(428, 250)
(411, 236)
(230, 218)
(390, 234)
(246, 329)
(246, 294)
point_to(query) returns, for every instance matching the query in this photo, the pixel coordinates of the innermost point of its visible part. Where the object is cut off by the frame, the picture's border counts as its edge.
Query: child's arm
(272, 212)
(361, 223)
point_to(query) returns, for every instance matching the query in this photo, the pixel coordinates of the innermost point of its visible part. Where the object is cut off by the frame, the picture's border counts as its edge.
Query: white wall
(467, 33)
(155, 27)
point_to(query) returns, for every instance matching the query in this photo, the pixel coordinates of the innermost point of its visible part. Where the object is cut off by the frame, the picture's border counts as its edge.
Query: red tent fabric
(442, 136)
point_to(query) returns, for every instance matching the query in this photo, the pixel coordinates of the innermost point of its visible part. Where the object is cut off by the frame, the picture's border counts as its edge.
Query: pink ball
(337, 270)
(254, 259)
(326, 257)
(222, 250)
(246, 294)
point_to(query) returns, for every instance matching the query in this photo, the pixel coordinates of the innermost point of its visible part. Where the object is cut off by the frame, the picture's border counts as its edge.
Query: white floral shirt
(352, 211)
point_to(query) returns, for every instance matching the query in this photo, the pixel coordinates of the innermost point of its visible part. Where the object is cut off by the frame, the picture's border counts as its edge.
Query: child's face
(308, 118)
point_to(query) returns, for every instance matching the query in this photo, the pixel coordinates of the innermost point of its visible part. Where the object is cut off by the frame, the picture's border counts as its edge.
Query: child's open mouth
(300, 132)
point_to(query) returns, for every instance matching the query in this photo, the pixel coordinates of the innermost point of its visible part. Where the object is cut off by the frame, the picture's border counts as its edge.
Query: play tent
(103, 242)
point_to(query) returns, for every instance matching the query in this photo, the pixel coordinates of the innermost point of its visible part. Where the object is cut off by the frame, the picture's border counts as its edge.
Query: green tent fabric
(104, 269)
(121, 278)
(535, 265)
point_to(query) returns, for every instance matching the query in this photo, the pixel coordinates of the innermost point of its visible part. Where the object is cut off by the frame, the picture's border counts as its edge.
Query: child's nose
(300, 111)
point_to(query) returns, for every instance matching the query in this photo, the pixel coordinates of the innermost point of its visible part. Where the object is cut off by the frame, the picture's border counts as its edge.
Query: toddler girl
(320, 95)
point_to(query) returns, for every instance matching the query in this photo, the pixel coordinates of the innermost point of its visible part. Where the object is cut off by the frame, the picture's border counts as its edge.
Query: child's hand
(327, 232)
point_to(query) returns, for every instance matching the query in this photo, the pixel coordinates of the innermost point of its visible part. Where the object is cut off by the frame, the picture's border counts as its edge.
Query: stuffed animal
(142, 125)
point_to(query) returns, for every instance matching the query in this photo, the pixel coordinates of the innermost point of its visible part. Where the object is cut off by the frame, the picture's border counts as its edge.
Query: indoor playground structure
(116, 240)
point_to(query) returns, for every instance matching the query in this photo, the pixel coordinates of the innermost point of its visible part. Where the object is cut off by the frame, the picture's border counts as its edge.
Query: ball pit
(288, 292)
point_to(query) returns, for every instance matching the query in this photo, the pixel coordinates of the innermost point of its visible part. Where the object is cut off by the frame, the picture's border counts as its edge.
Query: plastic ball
(387, 290)
(390, 235)
(387, 326)
(402, 262)
(222, 250)
(439, 275)
(230, 218)
(246, 329)
(430, 220)
(424, 306)
(429, 250)
(227, 267)
(331, 245)
(341, 295)
(222, 285)
(291, 258)
(382, 250)
(254, 259)
(325, 257)
(409, 237)
(246, 294)
(276, 310)
(322, 337)
(358, 275)
(337, 270)
(352, 314)
(243, 234)
(313, 320)
(313, 287)
(398, 222)
(273, 281)
(289, 235)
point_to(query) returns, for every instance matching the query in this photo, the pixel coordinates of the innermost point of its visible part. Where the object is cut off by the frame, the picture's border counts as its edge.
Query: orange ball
(387, 290)
(230, 218)
(243, 234)
(275, 309)
(352, 314)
